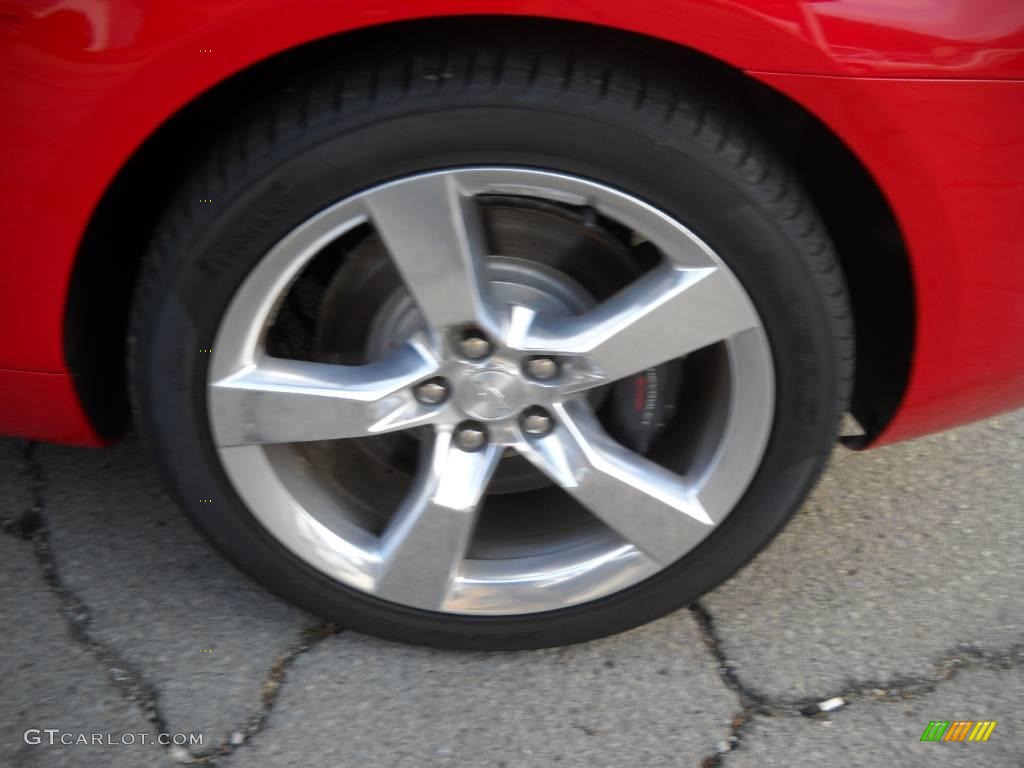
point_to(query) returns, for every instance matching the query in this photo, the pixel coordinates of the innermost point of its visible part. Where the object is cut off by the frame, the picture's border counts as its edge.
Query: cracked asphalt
(898, 588)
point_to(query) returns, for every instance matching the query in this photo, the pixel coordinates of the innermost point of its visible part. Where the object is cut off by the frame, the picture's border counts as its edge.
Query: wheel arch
(859, 218)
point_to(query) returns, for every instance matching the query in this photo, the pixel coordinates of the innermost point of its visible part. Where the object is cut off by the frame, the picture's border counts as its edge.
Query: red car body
(927, 94)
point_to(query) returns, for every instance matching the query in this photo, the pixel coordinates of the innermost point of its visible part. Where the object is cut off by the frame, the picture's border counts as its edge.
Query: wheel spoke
(424, 545)
(666, 314)
(655, 509)
(435, 236)
(287, 401)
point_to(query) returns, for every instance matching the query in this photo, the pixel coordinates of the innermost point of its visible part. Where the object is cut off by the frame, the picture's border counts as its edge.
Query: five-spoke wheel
(483, 374)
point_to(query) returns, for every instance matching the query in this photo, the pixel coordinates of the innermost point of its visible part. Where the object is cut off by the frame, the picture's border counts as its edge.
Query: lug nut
(541, 368)
(537, 422)
(474, 346)
(432, 392)
(470, 436)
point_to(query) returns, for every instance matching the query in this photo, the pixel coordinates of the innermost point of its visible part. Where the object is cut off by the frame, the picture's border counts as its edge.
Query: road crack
(307, 639)
(31, 526)
(754, 703)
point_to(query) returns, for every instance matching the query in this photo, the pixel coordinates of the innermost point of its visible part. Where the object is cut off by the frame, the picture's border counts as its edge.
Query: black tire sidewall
(205, 260)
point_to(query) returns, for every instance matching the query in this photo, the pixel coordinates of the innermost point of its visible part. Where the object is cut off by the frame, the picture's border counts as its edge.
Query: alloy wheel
(489, 373)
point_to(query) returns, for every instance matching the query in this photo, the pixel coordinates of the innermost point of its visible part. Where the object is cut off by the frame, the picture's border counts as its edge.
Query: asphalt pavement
(894, 598)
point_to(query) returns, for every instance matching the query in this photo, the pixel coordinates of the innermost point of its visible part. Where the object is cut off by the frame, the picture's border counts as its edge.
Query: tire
(609, 120)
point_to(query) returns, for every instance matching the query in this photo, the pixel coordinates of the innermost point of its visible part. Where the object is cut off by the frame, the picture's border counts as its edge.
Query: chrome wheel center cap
(492, 395)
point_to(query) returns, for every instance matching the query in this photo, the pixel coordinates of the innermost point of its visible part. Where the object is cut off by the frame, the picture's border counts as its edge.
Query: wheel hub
(544, 259)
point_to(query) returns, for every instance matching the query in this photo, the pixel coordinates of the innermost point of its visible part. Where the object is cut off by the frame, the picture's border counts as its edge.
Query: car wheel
(491, 350)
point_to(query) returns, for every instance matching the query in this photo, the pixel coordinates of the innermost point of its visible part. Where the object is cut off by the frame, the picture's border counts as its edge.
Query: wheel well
(871, 249)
